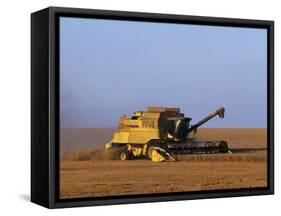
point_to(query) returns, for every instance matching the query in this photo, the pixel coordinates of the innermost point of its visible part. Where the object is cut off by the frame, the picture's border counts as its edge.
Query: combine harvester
(159, 133)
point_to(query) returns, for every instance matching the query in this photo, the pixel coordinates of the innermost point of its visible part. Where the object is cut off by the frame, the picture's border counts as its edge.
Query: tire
(223, 147)
(124, 155)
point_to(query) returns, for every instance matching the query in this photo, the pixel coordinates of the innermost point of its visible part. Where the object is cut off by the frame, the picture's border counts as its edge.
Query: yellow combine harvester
(159, 133)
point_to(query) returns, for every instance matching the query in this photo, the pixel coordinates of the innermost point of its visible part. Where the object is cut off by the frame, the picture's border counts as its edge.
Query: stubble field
(84, 173)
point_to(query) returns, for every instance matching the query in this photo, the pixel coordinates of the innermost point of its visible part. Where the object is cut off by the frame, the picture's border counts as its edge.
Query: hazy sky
(109, 68)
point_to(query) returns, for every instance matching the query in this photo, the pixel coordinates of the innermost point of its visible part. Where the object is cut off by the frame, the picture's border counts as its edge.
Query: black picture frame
(45, 106)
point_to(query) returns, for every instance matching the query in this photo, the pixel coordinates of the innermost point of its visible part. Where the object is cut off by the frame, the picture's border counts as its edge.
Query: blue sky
(109, 68)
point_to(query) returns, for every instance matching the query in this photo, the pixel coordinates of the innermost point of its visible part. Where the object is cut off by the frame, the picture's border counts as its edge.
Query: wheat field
(89, 172)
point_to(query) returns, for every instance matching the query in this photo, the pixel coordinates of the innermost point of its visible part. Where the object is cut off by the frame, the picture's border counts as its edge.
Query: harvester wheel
(223, 147)
(124, 155)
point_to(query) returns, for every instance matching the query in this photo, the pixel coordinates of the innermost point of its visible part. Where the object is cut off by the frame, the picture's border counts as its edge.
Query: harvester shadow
(246, 150)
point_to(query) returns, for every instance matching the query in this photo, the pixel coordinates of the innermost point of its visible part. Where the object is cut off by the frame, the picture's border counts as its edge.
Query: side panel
(40, 107)
(142, 136)
(120, 137)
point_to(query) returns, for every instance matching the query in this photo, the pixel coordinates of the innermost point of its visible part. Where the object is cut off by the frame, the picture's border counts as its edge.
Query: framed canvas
(134, 107)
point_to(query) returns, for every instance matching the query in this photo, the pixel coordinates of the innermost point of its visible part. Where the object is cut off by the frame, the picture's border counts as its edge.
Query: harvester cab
(159, 133)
